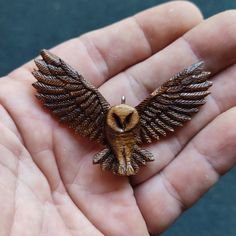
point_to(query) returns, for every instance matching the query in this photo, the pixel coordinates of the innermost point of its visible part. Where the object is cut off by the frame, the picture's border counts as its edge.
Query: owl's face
(122, 118)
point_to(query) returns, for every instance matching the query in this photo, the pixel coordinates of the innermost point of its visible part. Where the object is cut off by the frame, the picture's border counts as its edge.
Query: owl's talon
(130, 170)
(126, 170)
(121, 170)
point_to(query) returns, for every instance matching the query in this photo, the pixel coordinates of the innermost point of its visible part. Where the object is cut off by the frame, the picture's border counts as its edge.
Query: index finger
(100, 54)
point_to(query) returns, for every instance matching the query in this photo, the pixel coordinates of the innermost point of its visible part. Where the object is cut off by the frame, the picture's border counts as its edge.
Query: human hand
(48, 184)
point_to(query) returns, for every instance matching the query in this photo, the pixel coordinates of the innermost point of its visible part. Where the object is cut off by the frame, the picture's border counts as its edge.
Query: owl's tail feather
(140, 157)
(107, 160)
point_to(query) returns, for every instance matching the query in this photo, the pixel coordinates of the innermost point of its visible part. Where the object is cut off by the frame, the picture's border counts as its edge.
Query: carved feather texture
(120, 128)
(173, 103)
(70, 97)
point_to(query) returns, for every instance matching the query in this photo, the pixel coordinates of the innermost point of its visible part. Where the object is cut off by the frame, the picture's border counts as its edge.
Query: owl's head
(122, 118)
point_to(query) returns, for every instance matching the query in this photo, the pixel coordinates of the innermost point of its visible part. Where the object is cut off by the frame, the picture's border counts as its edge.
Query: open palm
(48, 184)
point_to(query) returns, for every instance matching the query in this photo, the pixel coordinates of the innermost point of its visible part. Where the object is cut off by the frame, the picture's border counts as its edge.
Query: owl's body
(122, 128)
(122, 131)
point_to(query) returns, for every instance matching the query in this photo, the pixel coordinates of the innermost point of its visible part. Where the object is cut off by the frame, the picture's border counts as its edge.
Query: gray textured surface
(26, 26)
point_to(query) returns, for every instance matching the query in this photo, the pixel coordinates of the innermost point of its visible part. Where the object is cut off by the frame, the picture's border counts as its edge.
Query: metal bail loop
(123, 100)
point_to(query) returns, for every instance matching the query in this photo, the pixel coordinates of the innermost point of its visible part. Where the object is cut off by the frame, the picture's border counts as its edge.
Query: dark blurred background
(26, 26)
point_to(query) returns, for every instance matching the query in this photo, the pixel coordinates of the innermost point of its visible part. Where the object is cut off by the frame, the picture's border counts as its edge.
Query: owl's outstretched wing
(70, 97)
(173, 103)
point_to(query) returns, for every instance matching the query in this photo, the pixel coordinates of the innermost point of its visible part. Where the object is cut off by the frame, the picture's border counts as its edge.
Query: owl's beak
(122, 129)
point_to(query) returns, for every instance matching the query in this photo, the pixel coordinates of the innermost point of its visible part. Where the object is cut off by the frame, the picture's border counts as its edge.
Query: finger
(141, 79)
(102, 53)
(143, 34)
(190, 175)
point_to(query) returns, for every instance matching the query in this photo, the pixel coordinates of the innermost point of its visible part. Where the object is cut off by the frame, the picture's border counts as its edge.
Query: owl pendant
(122, 128)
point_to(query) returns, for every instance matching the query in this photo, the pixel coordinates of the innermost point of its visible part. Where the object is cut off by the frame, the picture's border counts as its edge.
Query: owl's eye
(128, 118)
(118, 121)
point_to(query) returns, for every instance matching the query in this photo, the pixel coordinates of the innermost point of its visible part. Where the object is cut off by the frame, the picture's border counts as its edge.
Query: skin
(48, 185)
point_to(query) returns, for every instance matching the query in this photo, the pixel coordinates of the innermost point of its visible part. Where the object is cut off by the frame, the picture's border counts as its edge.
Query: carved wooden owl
(122, 128)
